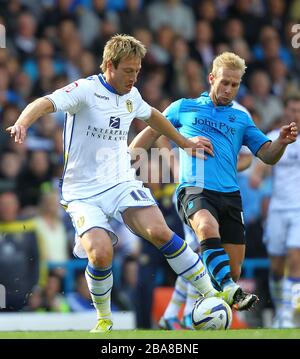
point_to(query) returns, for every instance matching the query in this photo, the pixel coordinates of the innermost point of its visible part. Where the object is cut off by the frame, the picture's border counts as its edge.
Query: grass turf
(159, 334)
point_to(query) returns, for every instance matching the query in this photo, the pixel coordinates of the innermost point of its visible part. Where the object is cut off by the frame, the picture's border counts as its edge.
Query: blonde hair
(119, 47)
(228, 60)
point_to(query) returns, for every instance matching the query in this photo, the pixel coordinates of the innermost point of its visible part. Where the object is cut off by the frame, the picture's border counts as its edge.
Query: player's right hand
(18, 132)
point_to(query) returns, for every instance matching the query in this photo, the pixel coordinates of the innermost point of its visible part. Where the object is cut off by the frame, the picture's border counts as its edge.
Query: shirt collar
(106, 84)
(209, 100)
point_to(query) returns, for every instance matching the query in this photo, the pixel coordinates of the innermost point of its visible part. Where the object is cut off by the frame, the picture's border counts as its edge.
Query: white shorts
(282, 231)
(97, 211)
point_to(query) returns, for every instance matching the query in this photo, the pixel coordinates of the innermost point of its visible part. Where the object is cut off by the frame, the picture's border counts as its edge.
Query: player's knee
(158, 234)
(100, 259)
(205, 230)
(294, 261)
(99, 256)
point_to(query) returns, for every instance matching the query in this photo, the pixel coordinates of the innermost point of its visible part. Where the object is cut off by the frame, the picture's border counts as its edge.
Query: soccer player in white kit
(98, 182)
(282, 229)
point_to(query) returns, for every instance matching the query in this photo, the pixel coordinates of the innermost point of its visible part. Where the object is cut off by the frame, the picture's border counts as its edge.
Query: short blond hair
(121, 46)
(228, 60)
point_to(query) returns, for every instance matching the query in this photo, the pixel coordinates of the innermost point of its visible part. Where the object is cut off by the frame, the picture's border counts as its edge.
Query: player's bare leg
(149, 223)
(221, 267)
(99, 277)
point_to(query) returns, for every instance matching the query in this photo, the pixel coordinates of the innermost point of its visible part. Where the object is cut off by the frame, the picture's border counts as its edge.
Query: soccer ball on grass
(211, 313)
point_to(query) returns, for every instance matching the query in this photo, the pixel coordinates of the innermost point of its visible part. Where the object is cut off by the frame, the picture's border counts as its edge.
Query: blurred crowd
(50, 43)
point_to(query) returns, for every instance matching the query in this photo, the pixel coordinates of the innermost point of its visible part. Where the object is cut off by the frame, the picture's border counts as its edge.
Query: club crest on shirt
(129, 106)
(80, 221)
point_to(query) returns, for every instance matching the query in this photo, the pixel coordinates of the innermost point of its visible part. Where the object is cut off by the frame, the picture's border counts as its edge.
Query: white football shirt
(286, 177)
(95, 135)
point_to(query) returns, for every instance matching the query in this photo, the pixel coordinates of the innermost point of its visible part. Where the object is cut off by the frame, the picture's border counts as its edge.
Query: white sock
(100, 282)
(177, 299)
(275, 287)
(186, 263)
(287, 311)
(191, 298)
(296, 293)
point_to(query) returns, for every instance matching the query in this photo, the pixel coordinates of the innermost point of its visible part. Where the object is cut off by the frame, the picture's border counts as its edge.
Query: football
(211, 313)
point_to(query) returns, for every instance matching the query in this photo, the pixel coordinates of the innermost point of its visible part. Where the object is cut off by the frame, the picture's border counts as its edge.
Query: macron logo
(101, 97)
(114, 122)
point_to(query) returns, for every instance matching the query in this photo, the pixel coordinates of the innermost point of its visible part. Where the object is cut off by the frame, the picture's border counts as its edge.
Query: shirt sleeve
(143, 109)
(172, 113)
(69, 98)
(254, 138)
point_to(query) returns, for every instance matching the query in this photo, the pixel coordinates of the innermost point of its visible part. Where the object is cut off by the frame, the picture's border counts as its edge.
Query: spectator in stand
(87, 64)
(7, 117)
(80, 300)
(161, 49)
(7, 95)
(42, 138)
(126, 294)
(180, 55)
(233, 30)
(146, 37)
(268, 106)
(207, 10)
(132, 17)
(270, 47)
(44, 49)
(51, 230)
(282, 81)
(10, 167)
(34, 180)
(175, 14)
(195, 79)
(91, 21)
(55, 13)
(23, 85)
(202, 47)
(21, 260)
(245, 12)
(53, 299)
(44, 82)
(277, 15)
(25, 39)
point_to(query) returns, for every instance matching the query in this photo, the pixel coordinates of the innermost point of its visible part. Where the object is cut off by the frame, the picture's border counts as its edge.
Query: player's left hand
(288, 134)
(197, 146)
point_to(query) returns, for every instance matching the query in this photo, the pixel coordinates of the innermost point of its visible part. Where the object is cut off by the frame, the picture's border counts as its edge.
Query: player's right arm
(29, 115)
(69, 99)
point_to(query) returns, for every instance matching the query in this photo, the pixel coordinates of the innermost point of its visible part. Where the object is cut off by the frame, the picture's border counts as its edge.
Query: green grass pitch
(160, 334)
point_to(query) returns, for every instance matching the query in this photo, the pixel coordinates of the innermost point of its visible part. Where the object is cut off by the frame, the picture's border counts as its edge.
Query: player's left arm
(271, 152)
(145, 139)
(159, 123)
